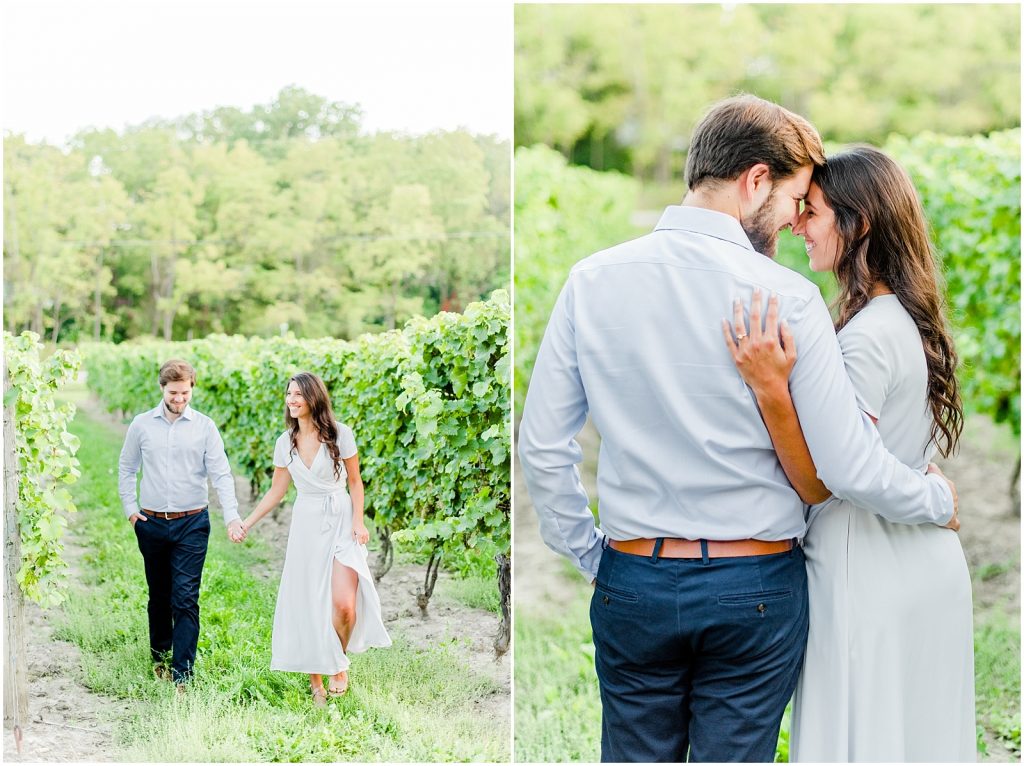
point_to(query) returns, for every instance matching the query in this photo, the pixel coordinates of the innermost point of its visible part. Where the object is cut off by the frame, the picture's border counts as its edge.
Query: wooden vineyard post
(504, 636)
(16, 665)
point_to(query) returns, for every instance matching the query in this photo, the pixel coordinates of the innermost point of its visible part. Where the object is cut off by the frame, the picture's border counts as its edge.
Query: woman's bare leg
(316, 686)
(344, 587)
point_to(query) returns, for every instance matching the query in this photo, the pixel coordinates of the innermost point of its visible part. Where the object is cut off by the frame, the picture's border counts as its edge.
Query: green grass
(405, 704)
(997, 678)
(992, 569)
(473, 591)
(558, 707)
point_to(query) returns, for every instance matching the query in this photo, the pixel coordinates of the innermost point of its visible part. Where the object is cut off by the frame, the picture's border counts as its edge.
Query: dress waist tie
(330, 511)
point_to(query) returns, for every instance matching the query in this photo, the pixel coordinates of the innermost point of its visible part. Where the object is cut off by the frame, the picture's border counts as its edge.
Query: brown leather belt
(677, 548)
(174, 514)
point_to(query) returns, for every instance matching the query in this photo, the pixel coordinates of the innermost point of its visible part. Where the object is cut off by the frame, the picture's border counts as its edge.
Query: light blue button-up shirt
(176, 459)
(635, 340)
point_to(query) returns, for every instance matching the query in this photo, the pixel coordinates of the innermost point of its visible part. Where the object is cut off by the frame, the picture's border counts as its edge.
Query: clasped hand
(237, 531)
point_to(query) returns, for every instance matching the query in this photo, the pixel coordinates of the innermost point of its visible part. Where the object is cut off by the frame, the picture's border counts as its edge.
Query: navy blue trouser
(174, 551)
(697, 658)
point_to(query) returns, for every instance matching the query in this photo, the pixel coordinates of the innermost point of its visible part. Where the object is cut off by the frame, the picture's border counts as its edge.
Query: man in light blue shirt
(700, 604)
(177, 449)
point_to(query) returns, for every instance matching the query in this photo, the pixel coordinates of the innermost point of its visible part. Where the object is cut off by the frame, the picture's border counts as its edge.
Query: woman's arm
(765, 365)
(278, 487)
(355, 491)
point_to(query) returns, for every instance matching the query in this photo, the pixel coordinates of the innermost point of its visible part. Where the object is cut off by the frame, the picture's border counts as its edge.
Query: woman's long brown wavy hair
(319, 402)
(883, 238)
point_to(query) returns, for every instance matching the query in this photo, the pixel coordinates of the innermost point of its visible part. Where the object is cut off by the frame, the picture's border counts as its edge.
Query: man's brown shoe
(162, 672)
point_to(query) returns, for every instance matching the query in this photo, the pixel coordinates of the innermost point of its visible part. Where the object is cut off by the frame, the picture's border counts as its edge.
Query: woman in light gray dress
(888, 673)
(327, 605)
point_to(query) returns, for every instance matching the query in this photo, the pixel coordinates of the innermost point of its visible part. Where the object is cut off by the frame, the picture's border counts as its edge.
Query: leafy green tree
(167, 218)
(58, 222)
(294, 114)
(621, 86)
(404, 242)
(282, 217)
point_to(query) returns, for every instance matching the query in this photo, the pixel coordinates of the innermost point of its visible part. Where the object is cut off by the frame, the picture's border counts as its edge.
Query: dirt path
(68, 722)
(990, 534)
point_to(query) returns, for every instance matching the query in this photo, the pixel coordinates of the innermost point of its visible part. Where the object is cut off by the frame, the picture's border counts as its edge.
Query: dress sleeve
(849, 454)
(281, 451)
(346, 441)
(867, 365)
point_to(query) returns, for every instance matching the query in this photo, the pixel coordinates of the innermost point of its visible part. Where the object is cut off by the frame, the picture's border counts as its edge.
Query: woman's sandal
(338, 690)
(319, 696)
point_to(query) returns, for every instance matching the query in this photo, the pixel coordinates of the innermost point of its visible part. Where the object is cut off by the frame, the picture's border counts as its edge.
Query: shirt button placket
(167, 465)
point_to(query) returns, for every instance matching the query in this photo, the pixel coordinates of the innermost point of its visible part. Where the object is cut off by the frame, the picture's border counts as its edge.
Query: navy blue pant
(174, 551)
(697, 658)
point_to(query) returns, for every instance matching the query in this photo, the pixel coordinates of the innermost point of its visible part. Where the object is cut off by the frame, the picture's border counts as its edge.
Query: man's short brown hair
(175, 370)
(745, 130)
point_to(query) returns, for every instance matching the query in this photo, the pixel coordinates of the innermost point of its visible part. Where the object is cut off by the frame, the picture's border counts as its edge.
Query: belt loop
(657, 549)
(704, 552)
(605, 542)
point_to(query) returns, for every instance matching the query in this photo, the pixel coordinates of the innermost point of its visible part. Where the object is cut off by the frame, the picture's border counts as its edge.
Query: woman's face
(295, 402)
(817, 225)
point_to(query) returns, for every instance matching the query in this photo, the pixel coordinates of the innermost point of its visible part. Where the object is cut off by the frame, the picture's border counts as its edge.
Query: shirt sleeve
(554, 413)
(346, 441)
(128, 468)
(281, 451)
(868, 367)
(219, 471)
(847, 450)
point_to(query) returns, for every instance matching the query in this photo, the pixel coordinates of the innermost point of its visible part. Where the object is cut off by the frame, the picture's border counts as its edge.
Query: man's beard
(175, 409)
(760, 228)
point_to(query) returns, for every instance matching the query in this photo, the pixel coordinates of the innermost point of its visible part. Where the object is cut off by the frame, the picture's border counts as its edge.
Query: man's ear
(755, 185)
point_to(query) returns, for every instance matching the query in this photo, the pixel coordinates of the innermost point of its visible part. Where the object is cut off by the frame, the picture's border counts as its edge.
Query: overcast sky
(410, 66)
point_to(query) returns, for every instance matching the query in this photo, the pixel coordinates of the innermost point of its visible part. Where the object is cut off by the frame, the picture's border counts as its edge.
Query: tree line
(283, 217)
(620, 87)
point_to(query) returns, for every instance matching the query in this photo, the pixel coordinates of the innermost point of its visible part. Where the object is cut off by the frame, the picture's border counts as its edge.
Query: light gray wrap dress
(889, 669)
(304, 638)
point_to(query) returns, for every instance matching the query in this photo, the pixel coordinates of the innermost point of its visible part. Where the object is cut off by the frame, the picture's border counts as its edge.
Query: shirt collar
(704, 221)
(159, 411)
